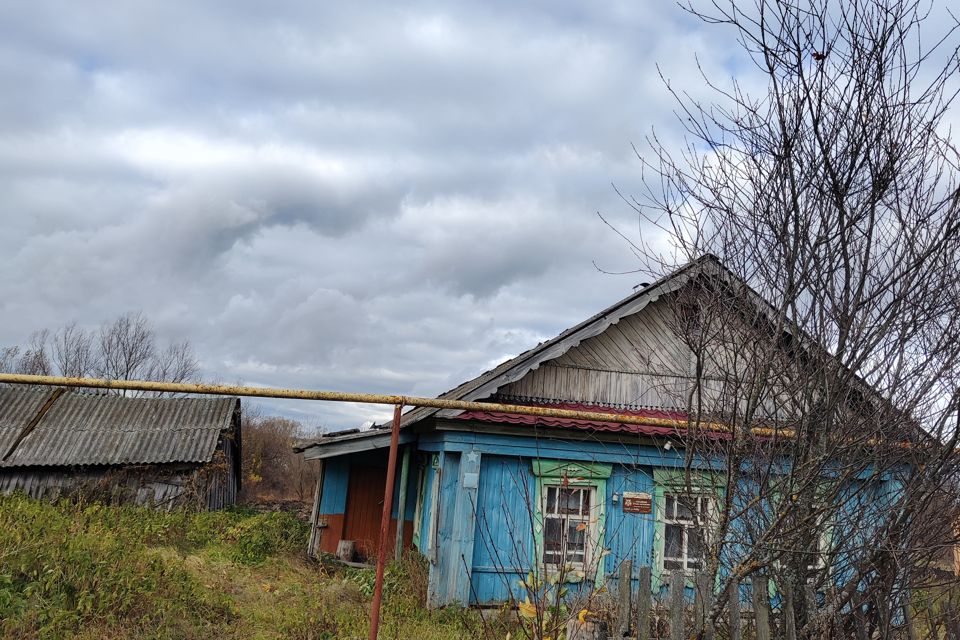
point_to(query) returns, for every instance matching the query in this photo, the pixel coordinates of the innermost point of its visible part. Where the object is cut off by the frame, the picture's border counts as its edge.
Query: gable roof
(487, 383)
(54, 427)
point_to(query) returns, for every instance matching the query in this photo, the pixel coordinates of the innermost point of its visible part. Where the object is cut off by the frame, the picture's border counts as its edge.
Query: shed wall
(159, 486)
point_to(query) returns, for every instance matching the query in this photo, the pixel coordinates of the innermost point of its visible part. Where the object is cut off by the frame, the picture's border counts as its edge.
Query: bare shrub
(831, 190)
(272, 470)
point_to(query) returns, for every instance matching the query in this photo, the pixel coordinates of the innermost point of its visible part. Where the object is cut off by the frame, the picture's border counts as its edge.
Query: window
(570, 518)
(685, 521)
(816, 555)
(817, 559)
(567, 530)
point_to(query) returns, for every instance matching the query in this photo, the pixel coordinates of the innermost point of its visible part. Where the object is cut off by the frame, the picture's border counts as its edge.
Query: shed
(162, 452)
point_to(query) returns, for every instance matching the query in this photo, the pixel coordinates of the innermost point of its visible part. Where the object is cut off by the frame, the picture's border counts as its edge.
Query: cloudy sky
(337, 195)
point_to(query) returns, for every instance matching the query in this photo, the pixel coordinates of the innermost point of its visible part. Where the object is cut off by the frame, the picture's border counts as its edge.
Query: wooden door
(364, 509)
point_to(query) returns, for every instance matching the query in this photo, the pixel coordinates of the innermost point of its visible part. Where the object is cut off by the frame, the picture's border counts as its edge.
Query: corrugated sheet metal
(17, 407)
(87, 429)
(589, 425)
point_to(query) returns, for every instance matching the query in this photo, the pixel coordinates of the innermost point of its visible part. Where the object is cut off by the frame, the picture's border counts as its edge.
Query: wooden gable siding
(643, 342)
(641, 361)
(638, 361)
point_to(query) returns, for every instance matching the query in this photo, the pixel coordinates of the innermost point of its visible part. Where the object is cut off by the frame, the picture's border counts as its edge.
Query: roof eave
(334, 446)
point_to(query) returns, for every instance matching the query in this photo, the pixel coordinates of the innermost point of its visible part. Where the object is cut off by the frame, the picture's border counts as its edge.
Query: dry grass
(71, 571)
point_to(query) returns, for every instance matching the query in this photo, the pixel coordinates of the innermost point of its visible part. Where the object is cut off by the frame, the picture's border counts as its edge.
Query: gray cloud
(348, 196)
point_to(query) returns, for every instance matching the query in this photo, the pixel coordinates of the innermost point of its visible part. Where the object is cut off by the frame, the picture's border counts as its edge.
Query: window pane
(576, 540)
(673, 541)
(551, 499)
(552, 533)
(671, 504)
(566, 525)
(684, 508)
(672, 564)
(694, 543)
(570, 501)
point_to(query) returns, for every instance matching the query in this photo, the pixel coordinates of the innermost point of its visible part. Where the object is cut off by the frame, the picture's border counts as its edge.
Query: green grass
(87, 571)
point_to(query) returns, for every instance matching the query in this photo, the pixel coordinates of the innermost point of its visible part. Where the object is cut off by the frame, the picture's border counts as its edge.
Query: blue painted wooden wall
(629, 536)
(485, 543)
(443, 563)
(503, 541)
(336, 475)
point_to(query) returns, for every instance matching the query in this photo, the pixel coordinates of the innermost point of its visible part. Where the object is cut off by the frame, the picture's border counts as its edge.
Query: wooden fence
(644, 615)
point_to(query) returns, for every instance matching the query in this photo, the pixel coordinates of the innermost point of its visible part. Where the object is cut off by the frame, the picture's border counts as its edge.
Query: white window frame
(824, 541)
(706, 504)
(587, 518)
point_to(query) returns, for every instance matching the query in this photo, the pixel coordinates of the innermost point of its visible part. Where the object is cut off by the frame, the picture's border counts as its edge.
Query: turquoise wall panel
(629, 536)
(336, 475)
(503, 542)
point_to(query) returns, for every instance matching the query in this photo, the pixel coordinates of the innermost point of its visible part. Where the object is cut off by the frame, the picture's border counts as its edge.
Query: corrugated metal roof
(88, 429)
(588, 425)
(17, 407)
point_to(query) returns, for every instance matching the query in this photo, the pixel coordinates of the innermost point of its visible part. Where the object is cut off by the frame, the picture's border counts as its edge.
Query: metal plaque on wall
(636, 502)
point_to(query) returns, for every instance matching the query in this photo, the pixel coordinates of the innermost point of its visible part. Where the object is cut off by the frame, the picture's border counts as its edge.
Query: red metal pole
(385, 524)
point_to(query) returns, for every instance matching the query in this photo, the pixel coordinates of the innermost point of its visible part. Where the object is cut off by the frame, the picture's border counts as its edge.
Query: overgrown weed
(82, 570)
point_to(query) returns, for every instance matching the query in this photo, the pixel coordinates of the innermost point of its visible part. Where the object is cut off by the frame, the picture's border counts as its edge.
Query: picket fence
(642, 616)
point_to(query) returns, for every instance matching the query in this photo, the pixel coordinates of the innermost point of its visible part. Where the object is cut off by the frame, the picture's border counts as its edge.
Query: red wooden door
(364, 509)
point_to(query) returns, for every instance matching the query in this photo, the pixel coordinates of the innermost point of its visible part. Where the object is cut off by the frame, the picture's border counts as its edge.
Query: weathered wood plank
(402, 502)
(703, 603)
(315, 531)
(623, 598)
(861, 625)
(951, 621)
(789, 617)
(464, 525)
(908, 621)
(644, 602)
(761, 606)
(733, 607)
(677, 606)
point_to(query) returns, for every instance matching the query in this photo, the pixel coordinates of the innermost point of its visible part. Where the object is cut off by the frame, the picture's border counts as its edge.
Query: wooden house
(160, 452)
(489, 497)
